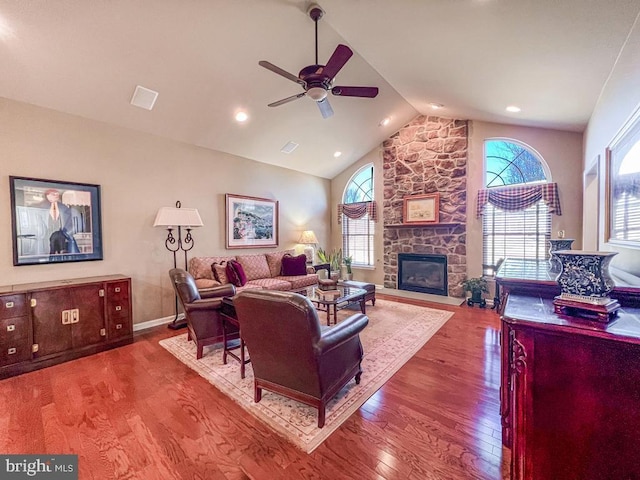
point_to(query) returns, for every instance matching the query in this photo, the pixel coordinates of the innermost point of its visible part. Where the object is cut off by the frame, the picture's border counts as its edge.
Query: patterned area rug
(395, 333)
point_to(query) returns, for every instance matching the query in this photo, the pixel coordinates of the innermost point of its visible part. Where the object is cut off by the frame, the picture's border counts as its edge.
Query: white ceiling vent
(289, 147)
(144, 98)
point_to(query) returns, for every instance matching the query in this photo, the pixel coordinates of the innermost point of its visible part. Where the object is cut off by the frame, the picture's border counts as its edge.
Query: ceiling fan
(317, 80)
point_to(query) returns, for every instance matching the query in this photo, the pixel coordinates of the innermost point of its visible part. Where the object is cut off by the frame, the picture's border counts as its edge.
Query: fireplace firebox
(424, 273)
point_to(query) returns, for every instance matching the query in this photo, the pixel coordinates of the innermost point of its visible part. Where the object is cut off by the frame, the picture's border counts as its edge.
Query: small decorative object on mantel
(585, 285)
(557, 244)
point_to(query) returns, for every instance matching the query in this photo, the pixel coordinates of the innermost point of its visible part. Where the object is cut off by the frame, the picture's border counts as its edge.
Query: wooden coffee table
(341, 298)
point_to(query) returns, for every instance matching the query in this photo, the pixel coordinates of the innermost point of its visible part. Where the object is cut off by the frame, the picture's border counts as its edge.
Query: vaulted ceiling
(551, 58)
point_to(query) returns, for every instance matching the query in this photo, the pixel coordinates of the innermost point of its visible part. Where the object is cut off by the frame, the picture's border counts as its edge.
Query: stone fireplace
(422, 273)
(429, 155)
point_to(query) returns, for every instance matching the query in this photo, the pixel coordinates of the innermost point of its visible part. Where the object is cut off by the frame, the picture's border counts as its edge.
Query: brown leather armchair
(202, 309)
(292, 354)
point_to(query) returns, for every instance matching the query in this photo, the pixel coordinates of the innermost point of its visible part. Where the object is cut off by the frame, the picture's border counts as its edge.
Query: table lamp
(309, 239)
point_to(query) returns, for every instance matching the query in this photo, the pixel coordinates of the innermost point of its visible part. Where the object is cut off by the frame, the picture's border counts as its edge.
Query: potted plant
(477, 286)
(334, 259)
(347, 264)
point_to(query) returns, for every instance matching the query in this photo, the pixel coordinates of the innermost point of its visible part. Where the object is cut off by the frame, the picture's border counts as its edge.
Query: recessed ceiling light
(513, 109)
(436, 106)
(384, 122)
(241, 116)
(337, 154)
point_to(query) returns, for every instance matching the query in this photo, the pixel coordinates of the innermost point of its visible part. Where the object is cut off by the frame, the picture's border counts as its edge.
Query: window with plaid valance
(357, 210)
(521, 197)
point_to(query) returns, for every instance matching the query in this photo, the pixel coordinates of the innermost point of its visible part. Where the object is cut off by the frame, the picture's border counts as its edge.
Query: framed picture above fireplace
(421, 209)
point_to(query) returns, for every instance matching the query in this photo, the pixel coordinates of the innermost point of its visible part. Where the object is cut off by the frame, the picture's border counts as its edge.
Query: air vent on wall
(144, 98)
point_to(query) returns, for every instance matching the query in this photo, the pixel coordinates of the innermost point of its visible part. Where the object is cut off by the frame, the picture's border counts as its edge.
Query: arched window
(517, 231)
(509, 162)
(624, 188)
(358, 233)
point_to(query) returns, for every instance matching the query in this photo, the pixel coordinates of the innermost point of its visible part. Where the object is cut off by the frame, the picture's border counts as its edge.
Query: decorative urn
(554, 245)
(585, 275)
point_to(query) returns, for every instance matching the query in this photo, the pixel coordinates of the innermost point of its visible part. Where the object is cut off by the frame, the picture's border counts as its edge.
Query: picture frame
(251, 222)
(54, 221)
(421, 209)
(622, 197)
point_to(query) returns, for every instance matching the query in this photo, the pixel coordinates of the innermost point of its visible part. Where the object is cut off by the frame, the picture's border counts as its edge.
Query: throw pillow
(294, 266)
(235, 273)
(219, 272)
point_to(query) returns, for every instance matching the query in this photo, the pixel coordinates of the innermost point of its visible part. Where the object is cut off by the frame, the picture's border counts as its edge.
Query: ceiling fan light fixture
(317, 93)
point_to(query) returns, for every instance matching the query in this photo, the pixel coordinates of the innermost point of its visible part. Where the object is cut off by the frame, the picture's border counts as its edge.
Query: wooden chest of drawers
(45, 323)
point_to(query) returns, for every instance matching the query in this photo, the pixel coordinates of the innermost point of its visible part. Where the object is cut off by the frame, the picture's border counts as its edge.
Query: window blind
(357, 239)
(521, 234)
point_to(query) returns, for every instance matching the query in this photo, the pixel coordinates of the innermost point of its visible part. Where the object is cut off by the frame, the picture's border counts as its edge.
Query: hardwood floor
(137, 412)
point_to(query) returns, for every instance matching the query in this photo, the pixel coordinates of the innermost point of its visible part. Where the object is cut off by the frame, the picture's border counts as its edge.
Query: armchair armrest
(204, 305)
(344, 331)
(226, 290)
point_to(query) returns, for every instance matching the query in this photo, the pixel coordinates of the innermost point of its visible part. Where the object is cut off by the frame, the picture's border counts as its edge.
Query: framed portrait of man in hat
(54, 221)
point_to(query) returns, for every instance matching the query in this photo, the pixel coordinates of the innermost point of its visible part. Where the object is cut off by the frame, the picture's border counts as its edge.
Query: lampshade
(178, 217)
(308, 237)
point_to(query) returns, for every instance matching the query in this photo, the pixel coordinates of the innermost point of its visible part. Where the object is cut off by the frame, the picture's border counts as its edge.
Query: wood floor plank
(137, 412)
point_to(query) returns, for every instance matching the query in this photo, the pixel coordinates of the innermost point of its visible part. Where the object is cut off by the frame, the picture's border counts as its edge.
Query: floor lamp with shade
(172, 218)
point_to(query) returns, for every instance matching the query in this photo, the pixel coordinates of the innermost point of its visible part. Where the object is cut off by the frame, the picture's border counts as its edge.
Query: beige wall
(618, 101)
(561, 150)
(139, 173)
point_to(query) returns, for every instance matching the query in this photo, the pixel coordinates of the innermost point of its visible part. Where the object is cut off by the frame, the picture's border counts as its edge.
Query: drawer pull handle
(11, 351)
(119, 326)
(11, 328)
(117, 289)
(9, 305)
(118, 308)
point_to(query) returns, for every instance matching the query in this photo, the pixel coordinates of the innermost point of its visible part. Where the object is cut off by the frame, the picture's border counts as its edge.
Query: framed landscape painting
(54, 221)
(251, 222)
(421, 209)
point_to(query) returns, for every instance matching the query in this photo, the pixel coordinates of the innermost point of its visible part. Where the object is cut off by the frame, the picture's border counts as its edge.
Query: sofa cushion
(272, 284)
(206, 283)
(220, 272)
(235, 273)
(300, 282)
(294, 265)
(200, 267)
(274, 259)
(255, 266)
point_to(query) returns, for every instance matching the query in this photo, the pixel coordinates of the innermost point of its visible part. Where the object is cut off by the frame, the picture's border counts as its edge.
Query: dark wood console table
(570, 389)
(45, 323)
(532, 277)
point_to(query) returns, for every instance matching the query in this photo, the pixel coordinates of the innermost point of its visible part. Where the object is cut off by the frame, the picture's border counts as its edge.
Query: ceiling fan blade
(369, 92)
(341, 54)
(325, 108)
(287, 100)
(279, 71)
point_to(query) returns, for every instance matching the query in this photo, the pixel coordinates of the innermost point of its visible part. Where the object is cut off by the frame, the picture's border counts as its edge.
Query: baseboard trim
(154, 323)
(422, 296)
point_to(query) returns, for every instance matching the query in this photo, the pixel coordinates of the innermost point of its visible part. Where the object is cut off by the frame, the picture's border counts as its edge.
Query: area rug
(396, 331)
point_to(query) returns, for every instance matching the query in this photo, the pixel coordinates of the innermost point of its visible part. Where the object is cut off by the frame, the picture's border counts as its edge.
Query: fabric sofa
(262, 270)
